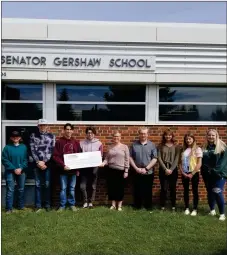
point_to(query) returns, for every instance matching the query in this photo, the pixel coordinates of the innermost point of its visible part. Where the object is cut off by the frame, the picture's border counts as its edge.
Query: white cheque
(83, 160)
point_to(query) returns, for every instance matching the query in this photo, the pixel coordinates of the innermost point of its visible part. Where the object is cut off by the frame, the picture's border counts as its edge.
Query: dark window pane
(124, 93)
(21, 111)
(193, 94)
(22, 92)
(192, 113)
(95, 112)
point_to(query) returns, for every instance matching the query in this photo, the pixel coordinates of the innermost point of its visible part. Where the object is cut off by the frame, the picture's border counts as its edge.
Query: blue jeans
(67, 181)
(215, 194)
(42, 178)
(11, 177)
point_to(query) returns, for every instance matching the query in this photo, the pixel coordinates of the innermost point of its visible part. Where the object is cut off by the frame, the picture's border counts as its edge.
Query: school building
(113, 75)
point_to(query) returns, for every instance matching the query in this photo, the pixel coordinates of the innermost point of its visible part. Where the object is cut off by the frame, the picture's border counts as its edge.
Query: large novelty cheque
(83, 160)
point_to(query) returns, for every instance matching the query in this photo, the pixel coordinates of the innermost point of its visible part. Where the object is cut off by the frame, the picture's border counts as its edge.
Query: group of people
(140, 159)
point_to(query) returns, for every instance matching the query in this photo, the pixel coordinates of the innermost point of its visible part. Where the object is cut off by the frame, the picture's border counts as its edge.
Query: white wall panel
(24, 75)
(22, 31)
(190, 78)
(191, 35)
(104, 32)
(100, 77)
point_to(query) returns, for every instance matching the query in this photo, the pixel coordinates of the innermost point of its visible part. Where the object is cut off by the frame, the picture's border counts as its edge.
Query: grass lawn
(101, 231)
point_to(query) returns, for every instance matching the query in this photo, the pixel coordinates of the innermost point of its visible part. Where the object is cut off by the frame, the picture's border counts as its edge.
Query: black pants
(143, 185)
(88, 183)
(115, 184)
(195, 184)
(168, 181)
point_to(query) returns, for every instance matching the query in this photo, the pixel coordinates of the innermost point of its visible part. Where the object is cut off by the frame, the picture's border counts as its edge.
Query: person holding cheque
(66, 145)
(117, 159)
(89, 175)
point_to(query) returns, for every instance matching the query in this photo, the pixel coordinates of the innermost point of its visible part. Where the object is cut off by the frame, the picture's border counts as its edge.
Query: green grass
(101, 231)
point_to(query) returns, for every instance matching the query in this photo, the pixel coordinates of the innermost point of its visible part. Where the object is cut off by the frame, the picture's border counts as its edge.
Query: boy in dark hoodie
(89, 175)
(66, 145)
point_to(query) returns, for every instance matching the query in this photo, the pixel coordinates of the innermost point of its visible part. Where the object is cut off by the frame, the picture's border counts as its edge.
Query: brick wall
(129, 134)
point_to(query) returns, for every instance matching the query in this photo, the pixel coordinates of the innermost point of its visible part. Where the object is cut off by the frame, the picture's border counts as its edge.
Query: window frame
(43, 101)
(194, 123)
(103, 103)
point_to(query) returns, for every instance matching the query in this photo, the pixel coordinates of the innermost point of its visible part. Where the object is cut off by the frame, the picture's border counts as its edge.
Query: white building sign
(82, 62)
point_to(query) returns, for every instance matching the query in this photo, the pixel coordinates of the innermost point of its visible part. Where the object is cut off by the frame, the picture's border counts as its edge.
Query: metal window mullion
(151, 104)
(104, 103)
(23, 101)
(191, 103)
(49, 102)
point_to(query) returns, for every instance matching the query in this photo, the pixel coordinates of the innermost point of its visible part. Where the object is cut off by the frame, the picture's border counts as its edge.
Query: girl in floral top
(191, 160)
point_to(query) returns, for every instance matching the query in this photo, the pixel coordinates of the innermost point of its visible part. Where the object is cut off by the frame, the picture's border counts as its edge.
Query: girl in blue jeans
(14, 159)
(214, 171)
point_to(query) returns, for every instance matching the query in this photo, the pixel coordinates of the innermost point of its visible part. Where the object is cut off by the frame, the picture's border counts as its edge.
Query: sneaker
(194, 213)
(187, 212)
(112, 207)
(60, 209)
(73, 208)
(120, 209)
(212, 213)
(85, 205)
(90, 205)
(48, 209)
(173, 209)
(163, 208)
(222, 217)
(9, 211)
(38, 210)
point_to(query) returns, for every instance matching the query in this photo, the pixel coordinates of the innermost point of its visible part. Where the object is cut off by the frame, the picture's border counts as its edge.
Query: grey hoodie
(91, 145)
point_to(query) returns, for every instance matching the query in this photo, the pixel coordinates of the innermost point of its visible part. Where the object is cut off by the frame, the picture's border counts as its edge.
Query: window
(22, 101)
(101, 103)
(192, 103)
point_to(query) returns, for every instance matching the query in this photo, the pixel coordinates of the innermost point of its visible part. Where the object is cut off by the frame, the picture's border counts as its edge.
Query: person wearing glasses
(66, 145)
(117, 160)
(14, 159)
(143, 157)
(88, 176)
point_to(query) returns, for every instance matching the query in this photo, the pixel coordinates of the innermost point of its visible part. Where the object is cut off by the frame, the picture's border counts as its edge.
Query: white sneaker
(194, 213)
(119, 209)
(222, 217)
(187, 212)
(85, 205)
(90, 205)
(212, 213)
(112, 207)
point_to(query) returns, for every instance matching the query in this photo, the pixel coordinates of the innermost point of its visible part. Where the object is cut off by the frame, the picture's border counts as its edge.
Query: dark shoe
(73, 208)
(9, 211)
(48, 209)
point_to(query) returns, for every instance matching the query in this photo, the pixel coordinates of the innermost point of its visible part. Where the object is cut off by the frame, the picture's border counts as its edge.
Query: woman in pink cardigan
(117, 159)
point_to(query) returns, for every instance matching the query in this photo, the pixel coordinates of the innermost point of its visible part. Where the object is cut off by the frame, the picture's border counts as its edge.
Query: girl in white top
(191, 161)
